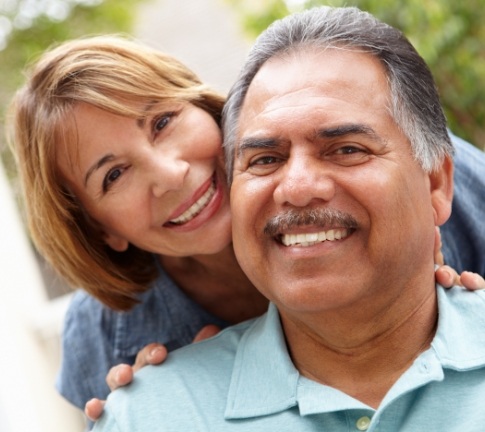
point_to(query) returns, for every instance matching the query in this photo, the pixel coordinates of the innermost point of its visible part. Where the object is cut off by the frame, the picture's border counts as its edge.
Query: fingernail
(450, 276)
(478, 280)
(155, 351)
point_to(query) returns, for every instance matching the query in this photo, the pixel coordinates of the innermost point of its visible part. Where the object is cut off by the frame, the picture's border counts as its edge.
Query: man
(341, 169)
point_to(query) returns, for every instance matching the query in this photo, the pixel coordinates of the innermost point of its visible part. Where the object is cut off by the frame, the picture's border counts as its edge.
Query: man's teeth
(197, 207)
(313, 238)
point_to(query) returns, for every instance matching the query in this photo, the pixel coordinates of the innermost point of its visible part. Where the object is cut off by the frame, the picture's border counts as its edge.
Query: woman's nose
(167, 173)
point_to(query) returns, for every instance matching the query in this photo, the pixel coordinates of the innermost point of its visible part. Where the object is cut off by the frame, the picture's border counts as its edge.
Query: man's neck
(362, 356)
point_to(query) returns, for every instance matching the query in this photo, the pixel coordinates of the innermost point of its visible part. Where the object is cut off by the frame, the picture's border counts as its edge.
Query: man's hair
(114, 74)
(415, 104)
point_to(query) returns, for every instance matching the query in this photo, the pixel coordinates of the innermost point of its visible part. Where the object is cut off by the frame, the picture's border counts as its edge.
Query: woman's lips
(195, 208)
(203, 197)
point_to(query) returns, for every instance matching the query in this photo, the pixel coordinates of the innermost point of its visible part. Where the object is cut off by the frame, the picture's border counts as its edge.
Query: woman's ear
(441, 184)
(115, 242)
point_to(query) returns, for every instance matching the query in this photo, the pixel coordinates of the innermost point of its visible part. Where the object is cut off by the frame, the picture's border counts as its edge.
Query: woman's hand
(122, 374)
(448, 277)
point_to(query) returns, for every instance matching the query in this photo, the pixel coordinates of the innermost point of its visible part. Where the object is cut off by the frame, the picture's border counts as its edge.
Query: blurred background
(212, 37)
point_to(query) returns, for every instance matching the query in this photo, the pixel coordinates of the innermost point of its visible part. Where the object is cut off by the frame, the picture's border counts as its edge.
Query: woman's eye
(111, 177)
(161, 122)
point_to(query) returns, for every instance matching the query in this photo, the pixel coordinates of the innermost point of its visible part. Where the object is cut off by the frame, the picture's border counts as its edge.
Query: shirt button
(363, 423)
(424, 368)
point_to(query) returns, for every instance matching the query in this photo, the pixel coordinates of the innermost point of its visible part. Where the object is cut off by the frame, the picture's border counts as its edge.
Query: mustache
(319, 217)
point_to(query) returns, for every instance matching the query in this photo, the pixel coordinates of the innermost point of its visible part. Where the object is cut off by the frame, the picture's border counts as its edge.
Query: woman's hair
(117, 75)
(415, 103)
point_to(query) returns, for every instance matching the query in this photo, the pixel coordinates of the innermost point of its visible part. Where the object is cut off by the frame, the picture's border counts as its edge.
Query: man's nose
(304, 179)
(167, 173)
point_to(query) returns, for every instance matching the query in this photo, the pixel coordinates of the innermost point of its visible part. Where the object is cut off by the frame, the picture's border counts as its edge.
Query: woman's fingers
(93, 409)
(206, 332)
(448, 277)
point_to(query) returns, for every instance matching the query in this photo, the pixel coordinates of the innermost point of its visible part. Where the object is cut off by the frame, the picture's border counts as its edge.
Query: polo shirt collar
(459, 342)
(265, 381)
(262, 360)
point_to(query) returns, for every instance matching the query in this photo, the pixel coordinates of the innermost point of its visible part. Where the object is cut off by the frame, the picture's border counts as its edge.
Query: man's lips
(310, 239)
(309, 226)
(208, 190)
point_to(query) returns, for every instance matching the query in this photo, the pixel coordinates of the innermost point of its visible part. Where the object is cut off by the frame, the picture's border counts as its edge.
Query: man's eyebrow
(254, 143)
(97, 165)
(348, 129)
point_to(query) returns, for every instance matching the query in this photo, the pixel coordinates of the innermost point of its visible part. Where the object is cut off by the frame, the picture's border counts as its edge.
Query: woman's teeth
(313, 238)
(197, 207)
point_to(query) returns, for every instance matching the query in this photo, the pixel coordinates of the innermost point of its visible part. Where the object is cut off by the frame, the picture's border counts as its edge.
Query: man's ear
(115, 242)
(441, 185)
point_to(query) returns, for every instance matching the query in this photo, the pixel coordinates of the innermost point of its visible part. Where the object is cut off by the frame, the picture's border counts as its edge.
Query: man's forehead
(327, 79)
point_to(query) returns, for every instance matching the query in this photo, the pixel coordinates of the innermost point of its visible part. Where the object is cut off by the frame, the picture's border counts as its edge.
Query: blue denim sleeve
(463, 235)
(95, 338)
(86, 351)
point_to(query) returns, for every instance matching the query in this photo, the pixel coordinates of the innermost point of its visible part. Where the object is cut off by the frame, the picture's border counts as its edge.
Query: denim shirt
(463, 235)
(96, 338)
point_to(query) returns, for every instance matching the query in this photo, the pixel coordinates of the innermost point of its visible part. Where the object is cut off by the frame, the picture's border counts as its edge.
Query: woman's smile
(169, 193)
(204, 203)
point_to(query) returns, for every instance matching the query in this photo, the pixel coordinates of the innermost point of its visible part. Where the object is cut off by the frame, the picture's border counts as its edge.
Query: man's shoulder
(460, 304)
(189, 387)
(460, 298)
(210, 356)
(460, 336)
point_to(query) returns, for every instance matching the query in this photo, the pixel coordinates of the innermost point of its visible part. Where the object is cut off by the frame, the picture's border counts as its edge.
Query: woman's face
(158, 184)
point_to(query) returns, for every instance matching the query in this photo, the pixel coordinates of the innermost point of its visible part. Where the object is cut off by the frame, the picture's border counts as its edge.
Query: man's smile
(310, 239)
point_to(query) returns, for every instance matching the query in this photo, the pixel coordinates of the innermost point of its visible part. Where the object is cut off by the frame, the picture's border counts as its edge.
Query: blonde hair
(115, 74)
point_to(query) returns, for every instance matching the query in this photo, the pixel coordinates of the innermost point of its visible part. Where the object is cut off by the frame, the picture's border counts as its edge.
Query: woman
(119, 151)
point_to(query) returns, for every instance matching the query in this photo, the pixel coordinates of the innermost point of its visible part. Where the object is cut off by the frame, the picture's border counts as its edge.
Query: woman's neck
(217, 283)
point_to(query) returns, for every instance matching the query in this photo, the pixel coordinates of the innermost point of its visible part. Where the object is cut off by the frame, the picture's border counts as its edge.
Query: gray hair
(415, 103)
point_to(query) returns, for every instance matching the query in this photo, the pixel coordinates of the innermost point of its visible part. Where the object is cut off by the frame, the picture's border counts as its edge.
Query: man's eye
(347, 150)
(265, 160)
(161, 122)
(348, 155)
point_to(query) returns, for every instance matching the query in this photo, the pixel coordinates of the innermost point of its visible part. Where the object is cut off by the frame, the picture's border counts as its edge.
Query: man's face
(329, 207)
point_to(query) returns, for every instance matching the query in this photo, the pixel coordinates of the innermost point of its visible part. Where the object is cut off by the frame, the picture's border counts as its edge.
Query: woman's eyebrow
(104, 160)
(140, 122)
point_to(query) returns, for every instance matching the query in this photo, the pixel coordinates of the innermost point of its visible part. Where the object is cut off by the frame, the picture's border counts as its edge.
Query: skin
(140, 179)
(135, 178)
(151, 174)
(184, 150)
(316, 134)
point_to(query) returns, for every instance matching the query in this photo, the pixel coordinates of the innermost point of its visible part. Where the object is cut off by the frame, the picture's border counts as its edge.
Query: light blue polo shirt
(96, 338)
(244, 380)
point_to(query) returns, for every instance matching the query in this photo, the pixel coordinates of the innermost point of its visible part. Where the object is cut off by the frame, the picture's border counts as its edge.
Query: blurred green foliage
(450, 35)
(110, 16)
